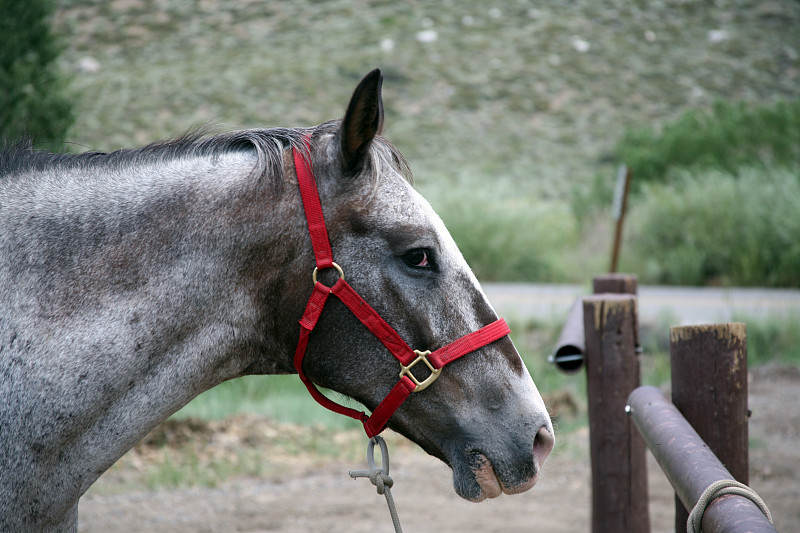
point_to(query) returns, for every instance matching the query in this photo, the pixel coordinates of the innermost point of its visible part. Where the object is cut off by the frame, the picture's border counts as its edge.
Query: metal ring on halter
(334, 265)
(421, 357)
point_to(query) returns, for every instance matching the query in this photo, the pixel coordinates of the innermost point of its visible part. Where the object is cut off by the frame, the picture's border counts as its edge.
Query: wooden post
(619, 473)
(709, 387)
(616, 283)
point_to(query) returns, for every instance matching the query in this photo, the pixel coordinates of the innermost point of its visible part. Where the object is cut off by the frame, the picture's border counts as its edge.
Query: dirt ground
(320, 496)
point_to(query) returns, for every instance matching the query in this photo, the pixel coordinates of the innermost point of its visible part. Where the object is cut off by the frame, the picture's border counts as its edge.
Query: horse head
(483, 415)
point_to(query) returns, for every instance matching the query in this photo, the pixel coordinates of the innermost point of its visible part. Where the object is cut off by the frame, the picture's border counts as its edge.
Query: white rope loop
(721, 488)
(380, 476)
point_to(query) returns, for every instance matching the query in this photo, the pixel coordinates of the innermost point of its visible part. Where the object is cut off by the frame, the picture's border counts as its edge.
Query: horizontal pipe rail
(690, 465)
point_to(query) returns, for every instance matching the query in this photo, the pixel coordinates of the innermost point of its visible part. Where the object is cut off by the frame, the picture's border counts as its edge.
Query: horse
(132, 281)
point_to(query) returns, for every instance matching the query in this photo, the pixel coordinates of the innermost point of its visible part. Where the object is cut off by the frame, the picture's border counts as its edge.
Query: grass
(281, 398)
(772, 340)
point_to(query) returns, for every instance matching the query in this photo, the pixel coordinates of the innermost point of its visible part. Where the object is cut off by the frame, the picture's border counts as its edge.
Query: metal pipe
(690, 465)
(571, 346)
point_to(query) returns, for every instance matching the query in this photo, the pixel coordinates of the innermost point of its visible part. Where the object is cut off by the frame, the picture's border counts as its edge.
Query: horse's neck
(130, 304)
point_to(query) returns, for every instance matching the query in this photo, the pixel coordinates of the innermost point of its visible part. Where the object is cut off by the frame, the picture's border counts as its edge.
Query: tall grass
(711, 227)
(772, 339)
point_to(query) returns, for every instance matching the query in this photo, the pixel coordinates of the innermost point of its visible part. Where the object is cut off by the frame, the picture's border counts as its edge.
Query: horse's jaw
(477, 477)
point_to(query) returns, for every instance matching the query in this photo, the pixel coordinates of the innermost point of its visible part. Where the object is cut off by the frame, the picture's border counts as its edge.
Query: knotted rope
(380, 476)
(720, 488)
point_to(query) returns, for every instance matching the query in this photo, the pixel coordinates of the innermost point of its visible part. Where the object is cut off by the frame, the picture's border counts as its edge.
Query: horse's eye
(417, 258)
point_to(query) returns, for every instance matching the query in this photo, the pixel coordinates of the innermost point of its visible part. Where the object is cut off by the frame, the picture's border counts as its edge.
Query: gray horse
(131, 282)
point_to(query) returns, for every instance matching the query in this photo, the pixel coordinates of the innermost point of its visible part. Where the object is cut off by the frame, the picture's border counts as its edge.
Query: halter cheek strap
(408, 358)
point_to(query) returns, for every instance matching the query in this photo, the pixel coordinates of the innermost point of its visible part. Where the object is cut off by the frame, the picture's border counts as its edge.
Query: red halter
(407, 357)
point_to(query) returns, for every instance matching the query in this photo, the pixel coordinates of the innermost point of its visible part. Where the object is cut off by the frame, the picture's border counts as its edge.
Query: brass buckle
(423, 357)
(334, 265)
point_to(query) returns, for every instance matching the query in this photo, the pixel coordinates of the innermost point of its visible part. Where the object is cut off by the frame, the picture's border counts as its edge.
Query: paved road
(675, 305)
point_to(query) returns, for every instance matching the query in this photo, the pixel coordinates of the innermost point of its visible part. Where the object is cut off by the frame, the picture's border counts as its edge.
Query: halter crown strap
(313, 209)
(407, 357)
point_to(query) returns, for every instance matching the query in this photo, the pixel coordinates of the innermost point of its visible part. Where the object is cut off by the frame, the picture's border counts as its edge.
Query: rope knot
(380, 476)
(381, 480)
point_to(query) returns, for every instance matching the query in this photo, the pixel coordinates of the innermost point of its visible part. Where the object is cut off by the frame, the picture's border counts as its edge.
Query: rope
(721, 488)
(380, 476)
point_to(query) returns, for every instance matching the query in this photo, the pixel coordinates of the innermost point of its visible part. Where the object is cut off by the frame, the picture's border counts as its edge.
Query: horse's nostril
(542, 445)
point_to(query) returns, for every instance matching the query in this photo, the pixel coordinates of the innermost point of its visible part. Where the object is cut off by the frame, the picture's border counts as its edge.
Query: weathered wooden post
(709, 387)
(615, 283)
(619, 470)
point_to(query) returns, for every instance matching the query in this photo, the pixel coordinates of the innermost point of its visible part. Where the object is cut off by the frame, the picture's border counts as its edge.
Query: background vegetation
(32, 99)
(514, 115)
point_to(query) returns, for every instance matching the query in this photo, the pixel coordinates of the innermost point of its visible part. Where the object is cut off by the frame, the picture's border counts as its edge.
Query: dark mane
(268, 144)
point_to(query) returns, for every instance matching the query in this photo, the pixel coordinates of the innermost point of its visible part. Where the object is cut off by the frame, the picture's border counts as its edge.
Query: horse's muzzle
(513, 473)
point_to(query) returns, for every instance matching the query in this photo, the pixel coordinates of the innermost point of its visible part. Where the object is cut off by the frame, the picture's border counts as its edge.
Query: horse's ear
(362, 122)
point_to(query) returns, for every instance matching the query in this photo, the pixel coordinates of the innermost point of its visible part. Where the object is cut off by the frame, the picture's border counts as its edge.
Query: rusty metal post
(690, 465)
(709, 387)
(619, 473)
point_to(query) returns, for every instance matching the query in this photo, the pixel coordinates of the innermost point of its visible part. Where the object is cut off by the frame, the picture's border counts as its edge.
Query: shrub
(714, 228)
(729, 137)
(31, 99)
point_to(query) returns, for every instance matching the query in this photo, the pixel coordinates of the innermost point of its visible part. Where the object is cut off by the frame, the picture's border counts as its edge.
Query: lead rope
(720, 488)
(380, 476)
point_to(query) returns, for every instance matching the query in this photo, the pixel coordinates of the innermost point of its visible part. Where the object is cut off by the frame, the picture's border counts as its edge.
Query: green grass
(281, 398)
(772, 339)
(506, 231)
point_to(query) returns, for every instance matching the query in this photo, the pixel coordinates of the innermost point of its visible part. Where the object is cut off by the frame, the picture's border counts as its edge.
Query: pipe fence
(709, 395)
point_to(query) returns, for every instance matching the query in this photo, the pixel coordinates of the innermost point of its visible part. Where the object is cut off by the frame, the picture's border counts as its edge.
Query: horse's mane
(268, 144)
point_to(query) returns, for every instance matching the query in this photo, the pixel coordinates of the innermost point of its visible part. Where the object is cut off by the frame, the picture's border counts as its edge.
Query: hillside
(535, 92)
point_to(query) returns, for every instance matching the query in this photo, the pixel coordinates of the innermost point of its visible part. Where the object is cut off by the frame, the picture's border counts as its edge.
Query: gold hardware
(423, 357)
(337, 267)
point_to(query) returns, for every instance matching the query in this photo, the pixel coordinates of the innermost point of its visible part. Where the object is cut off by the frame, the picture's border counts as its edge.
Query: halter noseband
(407, 357)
